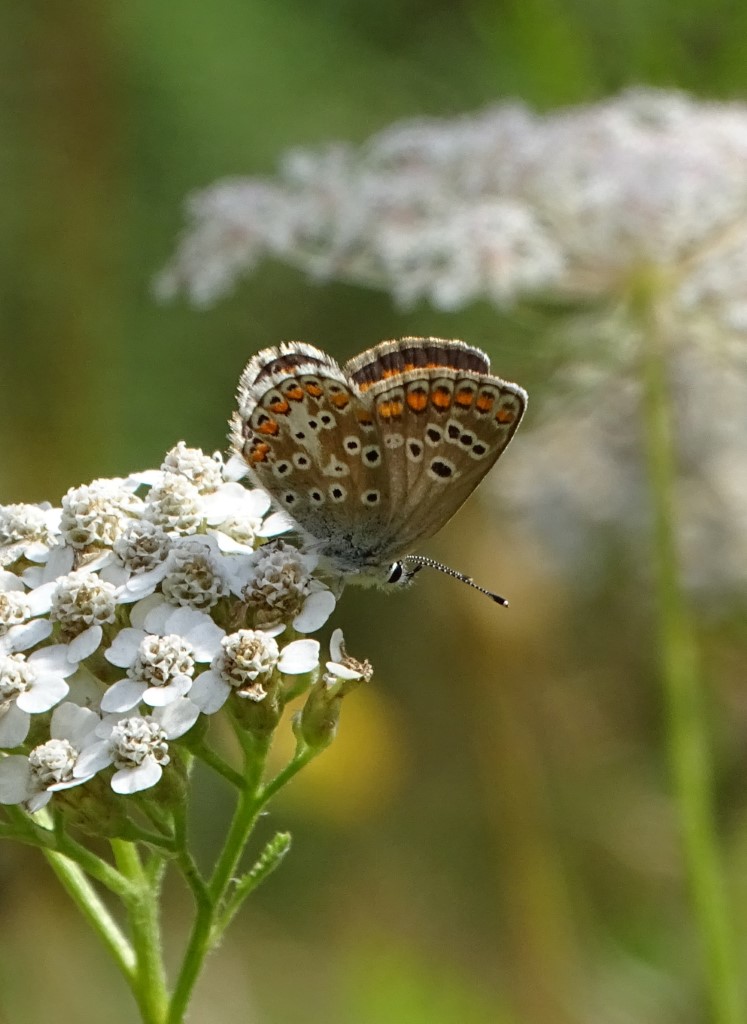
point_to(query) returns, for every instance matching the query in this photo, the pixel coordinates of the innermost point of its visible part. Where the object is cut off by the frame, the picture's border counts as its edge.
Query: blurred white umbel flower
(580, 479)
(498, 205)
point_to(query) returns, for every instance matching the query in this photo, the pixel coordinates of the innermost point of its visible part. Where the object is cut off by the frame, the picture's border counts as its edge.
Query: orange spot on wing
(505, 416)
(295, 393)
(484, 402)
(441, 398)
(313, 389)
(259, 452)
(365, 420)
(388, 410)
(340, 401)
(417, 400)
(279, 406)
(269, 427)
(464, 398)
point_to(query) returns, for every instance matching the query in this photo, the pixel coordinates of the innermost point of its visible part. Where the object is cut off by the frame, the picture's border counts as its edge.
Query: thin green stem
(57, 841)
(688, 747)
(271, 858)
(88, 902)
(216, 762)
(71, 862)
(149, 986)
(197, 949)
(95, 866)
(134, 833)
(184, 859)
(208, 903)
(302, 758)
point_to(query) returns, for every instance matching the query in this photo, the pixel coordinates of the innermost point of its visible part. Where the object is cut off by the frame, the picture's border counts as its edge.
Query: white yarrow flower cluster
(137, 608)
(27, 531)
(279, 584)
(94, 516)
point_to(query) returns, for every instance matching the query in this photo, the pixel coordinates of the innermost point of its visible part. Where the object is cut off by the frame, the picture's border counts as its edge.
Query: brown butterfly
(371, 458)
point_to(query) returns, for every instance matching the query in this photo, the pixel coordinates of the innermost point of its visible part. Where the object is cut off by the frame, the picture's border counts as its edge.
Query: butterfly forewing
(441, 433)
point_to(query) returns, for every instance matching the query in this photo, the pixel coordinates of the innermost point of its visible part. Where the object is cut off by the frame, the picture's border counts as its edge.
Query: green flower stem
(138, 883)
(71, 862)
(686, 722)
(216, 762)
(88, 902)
(184, 859)
(136, 834)
(271, 858)
(54, 841)
(95, 866)
(149, 985)
(302, 757)
(209, 902)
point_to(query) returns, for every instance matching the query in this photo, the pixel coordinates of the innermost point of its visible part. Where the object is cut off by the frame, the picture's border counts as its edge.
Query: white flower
(245, 665)
(194, 573)
(161, 672)
(342, 668)
(27, 531)
(29, 686)
(203, 471)
(277, 586)
(234, 515)
(50, 767)
(142, 547)
(137, 746)
(59, 561)
(160, 659)
(499, 204)
(174, 505)
(82, 603)
(96, 514)
(19, 631)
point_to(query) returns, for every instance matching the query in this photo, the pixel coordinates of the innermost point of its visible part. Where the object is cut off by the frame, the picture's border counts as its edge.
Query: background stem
(686, 721)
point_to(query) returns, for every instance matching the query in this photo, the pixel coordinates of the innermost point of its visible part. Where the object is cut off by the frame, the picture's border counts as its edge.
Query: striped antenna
(419, 562)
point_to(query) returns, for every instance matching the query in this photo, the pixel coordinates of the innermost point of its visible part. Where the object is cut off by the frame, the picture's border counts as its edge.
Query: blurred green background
(491, 839)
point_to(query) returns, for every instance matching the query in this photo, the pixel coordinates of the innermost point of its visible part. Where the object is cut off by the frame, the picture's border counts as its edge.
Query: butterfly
(370, 458)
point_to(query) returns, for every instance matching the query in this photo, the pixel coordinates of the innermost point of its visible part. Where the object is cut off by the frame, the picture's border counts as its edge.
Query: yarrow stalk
(129, 617)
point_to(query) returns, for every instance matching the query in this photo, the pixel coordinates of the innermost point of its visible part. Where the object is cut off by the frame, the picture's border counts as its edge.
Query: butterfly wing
(310, 440)
(443, 421)
(374, 457)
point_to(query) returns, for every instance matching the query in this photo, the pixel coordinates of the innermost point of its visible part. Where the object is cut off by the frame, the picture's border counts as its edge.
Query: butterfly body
(370, 458)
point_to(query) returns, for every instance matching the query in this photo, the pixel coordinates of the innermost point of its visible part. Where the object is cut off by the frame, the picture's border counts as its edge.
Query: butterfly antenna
(418, 562)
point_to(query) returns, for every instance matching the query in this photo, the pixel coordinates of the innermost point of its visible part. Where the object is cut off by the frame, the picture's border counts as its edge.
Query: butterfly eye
(396, 569)
(401, 575)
